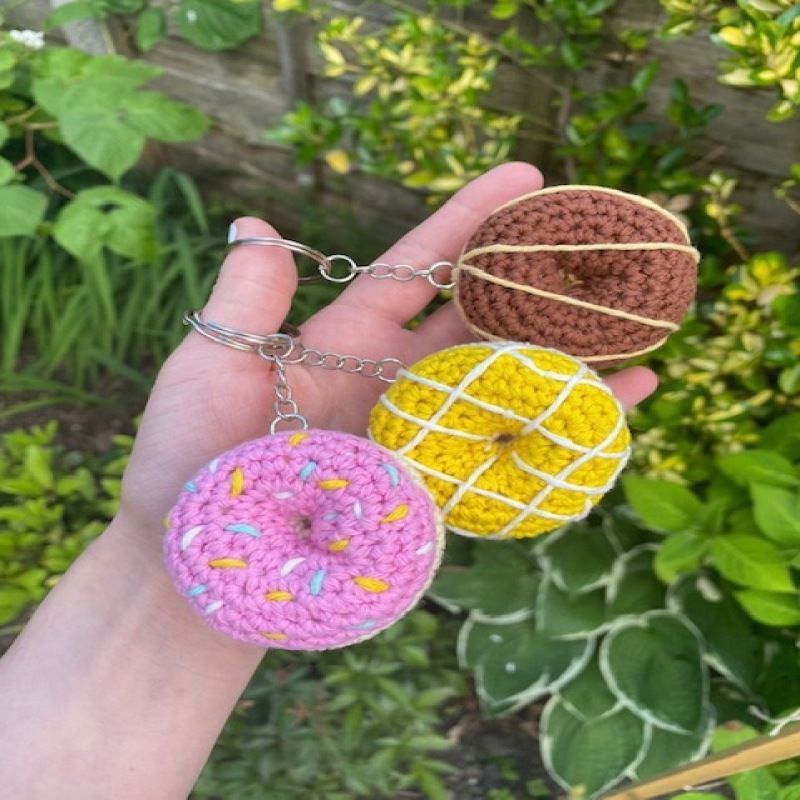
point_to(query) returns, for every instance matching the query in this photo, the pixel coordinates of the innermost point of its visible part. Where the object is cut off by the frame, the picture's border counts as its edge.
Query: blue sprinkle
(316, 582)
(394, 475)
(370, 623)
(190, 487)
(240, 527)
(307, 470)
(331, 515)
(196, 590)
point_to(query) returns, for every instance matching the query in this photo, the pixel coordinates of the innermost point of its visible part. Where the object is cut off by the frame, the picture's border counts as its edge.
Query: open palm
(209, 398)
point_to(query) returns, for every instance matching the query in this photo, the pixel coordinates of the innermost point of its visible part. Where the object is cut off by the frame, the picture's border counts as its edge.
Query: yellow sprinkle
(296, 438)
(237, 482)
(336, 546)
(167, 522)
(278, 595)
(334, 483)
(400, 512)
(226, 563)
(371, 584)
(274, 635)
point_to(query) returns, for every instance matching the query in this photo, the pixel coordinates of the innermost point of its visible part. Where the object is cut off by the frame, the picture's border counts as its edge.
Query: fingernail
(232, 233)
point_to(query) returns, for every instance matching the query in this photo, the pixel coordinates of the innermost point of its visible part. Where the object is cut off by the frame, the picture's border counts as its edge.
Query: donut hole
(505, 438)
(302, 526)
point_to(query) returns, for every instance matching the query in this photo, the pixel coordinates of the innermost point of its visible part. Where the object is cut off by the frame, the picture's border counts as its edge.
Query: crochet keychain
(310, 539)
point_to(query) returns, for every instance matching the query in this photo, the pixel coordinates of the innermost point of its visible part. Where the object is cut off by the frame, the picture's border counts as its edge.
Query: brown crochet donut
(596, 273)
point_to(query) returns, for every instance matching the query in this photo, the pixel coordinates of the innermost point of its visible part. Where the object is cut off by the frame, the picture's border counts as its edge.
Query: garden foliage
(664, 624)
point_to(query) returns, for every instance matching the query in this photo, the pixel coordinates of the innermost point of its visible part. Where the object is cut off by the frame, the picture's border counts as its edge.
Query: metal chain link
(384, 369)
(440, 274)
(285, 406)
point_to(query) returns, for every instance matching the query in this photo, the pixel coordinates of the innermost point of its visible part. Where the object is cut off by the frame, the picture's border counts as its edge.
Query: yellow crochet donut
(511, 439)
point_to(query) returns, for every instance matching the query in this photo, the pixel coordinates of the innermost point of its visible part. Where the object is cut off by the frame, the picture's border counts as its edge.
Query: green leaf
(732, 646)
(567, 615)
(576, 558)
(97, 131)
(106, 215)
(634, 588)
(588, 695)
(499, 583)
(151, 27)
(680, 553)
(23, 210)
(593, 754)
(777, 512)
(654, 666)
(514, 663)
(157, 116)
(783, 436)
(13, 601)
(770, 608)
(7, 172)
(663, 506)
(752, 561)
(72, 12)
(5, 133)
(218, 24)
(668, 749)
(762, 466)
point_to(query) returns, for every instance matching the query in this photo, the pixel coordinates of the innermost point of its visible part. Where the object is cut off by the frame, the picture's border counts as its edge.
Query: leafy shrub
(361, 722)
(52, 504)
(636, 672)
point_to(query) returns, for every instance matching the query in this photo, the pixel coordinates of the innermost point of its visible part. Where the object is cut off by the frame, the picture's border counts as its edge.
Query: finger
(440, 238)
(442, 329)
(632, 385)
(254, 290)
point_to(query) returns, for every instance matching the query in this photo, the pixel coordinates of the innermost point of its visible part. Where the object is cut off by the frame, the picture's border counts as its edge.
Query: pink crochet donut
(303, 541)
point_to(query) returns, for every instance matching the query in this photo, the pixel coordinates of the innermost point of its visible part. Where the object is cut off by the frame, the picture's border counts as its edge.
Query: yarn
(596, 273)
(305, 541)
(512, 440)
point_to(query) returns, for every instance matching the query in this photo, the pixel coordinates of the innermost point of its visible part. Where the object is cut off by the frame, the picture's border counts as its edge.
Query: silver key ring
(274, 344)
(323, 263)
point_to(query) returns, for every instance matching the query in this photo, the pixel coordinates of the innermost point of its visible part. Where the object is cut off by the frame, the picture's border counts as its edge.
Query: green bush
(361, 722)
(53, 503)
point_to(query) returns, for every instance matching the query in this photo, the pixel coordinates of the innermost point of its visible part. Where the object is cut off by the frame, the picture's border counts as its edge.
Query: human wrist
(136, 555)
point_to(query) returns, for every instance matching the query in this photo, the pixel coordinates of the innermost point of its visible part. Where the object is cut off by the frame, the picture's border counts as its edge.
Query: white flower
(32, 39)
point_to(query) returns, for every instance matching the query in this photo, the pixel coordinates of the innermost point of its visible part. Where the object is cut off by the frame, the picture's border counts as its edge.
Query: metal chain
(286, 408)
(441, 274)
(384, 369)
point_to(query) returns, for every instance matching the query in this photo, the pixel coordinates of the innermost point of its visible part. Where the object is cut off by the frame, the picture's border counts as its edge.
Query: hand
(209, 398)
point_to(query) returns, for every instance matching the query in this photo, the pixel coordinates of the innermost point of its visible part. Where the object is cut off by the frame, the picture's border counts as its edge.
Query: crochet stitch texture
(593, 272)
(307, 540)
(512, 440)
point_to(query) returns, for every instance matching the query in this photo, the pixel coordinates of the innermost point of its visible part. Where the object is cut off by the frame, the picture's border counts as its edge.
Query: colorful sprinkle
(296, 438)
(426, 548)
(283, 495)
(196, 590)
(227, 563)
(241, 527)
(212, 467)
(338, 545)
(366, 625)
(394, 475)
(331, 515)
(187, 537)
(190, 487)
(237, 482)
(167, 522)
(334, 483)
(212, 607)
(277, 636)
(357, 510)
(398, 513)
(307, 470)
(316, 582)
(374, 585)
(278, 595)
(290, 565)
